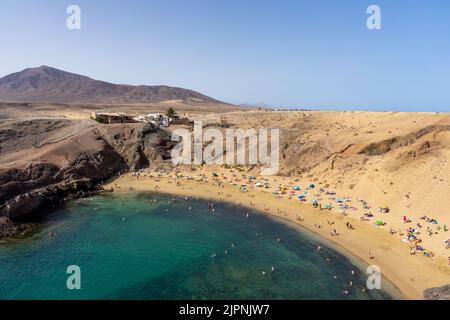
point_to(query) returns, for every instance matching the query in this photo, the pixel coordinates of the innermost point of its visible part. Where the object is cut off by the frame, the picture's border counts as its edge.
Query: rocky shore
(66, 166)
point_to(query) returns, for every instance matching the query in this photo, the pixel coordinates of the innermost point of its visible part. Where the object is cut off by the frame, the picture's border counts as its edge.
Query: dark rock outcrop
(439, 293)
(9, 228)
(19, 207)
(385, 146)
(89, 159)
(35, 175)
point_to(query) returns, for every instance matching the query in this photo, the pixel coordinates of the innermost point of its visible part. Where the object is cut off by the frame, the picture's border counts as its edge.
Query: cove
(149, 246)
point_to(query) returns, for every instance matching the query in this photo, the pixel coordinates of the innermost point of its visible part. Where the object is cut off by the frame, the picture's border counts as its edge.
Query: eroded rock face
(439, 293)
(22, 205)
(15, 181)
(77, 163)
(9, 228)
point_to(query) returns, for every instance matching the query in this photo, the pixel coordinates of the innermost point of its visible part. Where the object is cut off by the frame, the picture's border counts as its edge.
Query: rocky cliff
(67, 163)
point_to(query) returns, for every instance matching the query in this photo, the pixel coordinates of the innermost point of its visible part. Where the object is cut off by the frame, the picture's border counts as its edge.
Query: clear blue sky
(284, 53)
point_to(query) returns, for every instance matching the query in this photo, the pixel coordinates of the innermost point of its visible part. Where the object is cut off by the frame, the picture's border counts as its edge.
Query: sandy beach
(411, 274)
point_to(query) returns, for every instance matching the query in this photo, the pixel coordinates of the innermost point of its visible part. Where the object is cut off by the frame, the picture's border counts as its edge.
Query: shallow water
(133, 249)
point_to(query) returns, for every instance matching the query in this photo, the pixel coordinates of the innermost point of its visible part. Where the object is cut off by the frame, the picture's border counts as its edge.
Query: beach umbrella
(214, 174)
(379, 223)
(312, 186)
(301, 197)
(296, 188)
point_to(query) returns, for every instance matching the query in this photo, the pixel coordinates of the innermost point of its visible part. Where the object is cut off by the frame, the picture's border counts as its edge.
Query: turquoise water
(132, 248)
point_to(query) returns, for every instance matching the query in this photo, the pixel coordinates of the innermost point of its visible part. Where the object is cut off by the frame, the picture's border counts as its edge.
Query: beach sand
(411, 274)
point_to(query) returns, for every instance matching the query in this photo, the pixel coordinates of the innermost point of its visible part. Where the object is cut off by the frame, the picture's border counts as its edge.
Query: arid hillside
(399, 160)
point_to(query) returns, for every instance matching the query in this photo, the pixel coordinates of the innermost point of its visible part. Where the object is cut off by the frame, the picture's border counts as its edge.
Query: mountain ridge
(50, 85)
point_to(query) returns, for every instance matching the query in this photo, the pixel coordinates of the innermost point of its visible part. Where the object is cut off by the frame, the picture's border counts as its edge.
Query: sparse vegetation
(171, 112)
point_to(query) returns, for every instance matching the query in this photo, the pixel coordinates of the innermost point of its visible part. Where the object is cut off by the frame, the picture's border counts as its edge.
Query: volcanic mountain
(47, 84)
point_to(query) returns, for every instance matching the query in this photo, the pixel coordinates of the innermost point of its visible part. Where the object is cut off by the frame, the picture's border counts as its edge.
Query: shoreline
(409, 275)
(392, 289)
